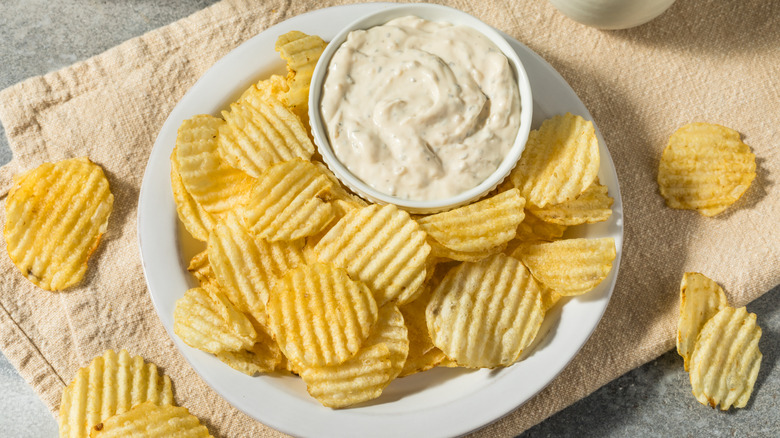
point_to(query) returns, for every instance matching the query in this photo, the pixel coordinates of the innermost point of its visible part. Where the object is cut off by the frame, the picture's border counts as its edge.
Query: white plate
(440, 402)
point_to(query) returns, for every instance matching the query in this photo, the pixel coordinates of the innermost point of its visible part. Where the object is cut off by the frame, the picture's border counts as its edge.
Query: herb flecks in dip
(420, 110)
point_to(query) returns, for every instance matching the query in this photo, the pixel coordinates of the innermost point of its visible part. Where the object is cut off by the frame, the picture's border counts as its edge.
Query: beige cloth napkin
(700, 61)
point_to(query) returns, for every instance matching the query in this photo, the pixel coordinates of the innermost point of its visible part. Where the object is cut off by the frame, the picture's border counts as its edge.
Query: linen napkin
(713, 61)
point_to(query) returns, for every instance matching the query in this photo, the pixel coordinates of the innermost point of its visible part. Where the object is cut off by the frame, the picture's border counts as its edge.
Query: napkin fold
(715, 62)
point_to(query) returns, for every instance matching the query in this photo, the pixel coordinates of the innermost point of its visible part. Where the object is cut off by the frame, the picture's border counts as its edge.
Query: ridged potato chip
(705, 167)
(700, 299)
(287, 202)
(482, 315)
(726, 359)
(569, 267)
(212, 183)
(364, 376)
(111, 384)
(319, 316)
(247, 267)
(259, 132)
(263, 357)
(273, 87)
(200, 268)
(149, 420)
(381, 246)
(196, 220)
(591, 206)
(477, 227)
(440, 251)
(209, 322)
(549, 299)
(560, 161)
(55, 217)
(301, 51)
(423, 355)
(532, 228)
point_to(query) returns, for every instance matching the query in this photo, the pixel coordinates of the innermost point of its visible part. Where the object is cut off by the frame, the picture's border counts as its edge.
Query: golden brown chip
(301, 51)
(705, 167)
(440, 251)
(726, 359)
(264, 357)
(273, 87)
(319, 316)
(247, 267)
(484, 314)
(549, 299)
(533, 228)
(593, 205)
(148, 420)
(200, 268)
(364, 376)
(569, 267)
(381, 246)
(55, 217)
(211, 182)
(111, 384)
(209, 322)
(196, 220)
(700, 299)
(477, 227)
(423, 355)
(259, 132)
(287, 202)
(560, 161)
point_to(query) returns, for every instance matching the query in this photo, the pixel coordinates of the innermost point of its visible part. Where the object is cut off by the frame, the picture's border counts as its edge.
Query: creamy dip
(420, 110)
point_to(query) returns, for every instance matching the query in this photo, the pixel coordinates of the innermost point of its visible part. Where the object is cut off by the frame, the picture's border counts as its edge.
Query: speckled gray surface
(38, 36)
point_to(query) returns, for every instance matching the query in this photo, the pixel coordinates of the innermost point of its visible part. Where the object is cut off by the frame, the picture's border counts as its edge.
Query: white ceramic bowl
(432, 13)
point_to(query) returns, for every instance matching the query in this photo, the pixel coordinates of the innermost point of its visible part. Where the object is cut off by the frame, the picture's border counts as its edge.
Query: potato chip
(209, 322)
(195, 219)
(705, 167)
(247, 267)
(560, 161)
(700, 299)
(593, 205)
(259, 132)
(301, 51)
(549, 299)
(111, 384)
(148, 420)
(273, 87)
(211, 182)
(319, 316)
(287, 202)
(477, 227)
(440, 251)
(484, 314)
(423, 355)
(200, 268)
(263, 357)
(569, 267)
(364, 376)
(381, 246)
(532, 228)
(55, 217)
(726, 359)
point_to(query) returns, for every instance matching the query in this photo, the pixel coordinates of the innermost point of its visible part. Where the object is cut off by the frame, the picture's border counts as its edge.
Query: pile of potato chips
(299, 275)
(122, 396)
(718, 343)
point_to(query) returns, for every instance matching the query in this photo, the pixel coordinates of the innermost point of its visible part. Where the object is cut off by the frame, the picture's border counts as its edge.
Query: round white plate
(440, 402)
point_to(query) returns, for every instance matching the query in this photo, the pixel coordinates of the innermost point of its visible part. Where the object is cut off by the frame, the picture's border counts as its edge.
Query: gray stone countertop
(39, 36)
